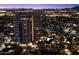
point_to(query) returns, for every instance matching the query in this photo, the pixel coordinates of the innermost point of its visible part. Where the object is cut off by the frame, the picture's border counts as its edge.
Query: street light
(11, 26)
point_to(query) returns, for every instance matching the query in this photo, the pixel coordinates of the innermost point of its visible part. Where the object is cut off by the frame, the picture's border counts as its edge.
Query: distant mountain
(73, 8)
(76, 7)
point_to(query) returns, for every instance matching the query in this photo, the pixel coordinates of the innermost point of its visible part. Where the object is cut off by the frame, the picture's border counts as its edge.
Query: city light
(73, 32)
(12, 26)
(39, 31)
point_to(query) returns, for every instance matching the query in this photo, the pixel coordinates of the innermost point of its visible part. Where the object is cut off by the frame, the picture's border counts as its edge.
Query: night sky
(37, 6)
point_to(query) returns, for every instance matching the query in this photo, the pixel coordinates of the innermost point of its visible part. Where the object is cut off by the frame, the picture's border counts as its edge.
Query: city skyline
(38, 6)
(39, 31)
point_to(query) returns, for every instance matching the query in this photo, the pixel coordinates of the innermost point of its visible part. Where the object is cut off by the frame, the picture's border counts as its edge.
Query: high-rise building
(23, 26)
(27, 26)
